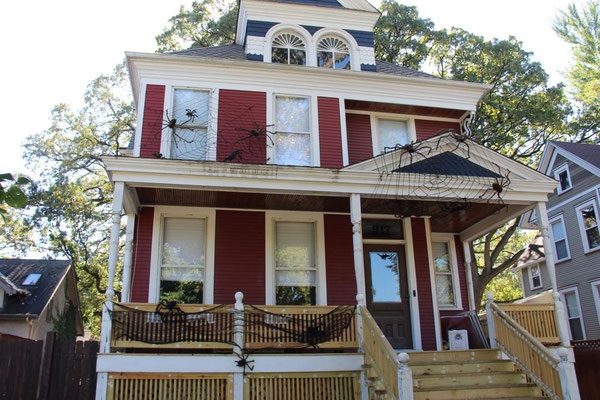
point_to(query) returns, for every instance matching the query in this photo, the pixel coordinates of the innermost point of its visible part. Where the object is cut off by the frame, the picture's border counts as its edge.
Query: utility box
(458, 339)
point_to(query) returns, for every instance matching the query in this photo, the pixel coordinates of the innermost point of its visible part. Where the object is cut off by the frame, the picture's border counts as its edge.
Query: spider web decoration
(442, 172)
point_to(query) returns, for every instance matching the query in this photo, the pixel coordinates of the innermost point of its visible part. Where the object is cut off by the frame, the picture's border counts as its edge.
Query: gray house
(573, 212)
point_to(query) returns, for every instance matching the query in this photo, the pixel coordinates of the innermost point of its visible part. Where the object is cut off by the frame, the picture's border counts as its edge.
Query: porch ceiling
(403, 109)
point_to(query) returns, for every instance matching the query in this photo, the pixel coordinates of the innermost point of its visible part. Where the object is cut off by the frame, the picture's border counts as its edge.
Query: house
(573, 215)
(297, 214)
(36, 297)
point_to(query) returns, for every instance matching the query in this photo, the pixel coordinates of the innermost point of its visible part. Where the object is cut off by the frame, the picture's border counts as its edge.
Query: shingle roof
(16, 270)
(447, 164)
(587, 152)
(236, 52)
(534, 252)
(9, 287)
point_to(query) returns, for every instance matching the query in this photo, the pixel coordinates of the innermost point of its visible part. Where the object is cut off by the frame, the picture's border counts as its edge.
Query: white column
(405, 381)
(238, 338)
(568, 377)
(128, 258)
(356, 218)
(468, 272)
(490, 319)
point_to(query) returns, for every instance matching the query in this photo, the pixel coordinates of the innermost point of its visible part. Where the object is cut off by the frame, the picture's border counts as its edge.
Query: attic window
(333, 52)
(31, 279)
(288, 48)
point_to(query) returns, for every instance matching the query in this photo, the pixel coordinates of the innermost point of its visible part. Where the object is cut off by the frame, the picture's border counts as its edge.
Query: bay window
(189, 136)
(292, 141)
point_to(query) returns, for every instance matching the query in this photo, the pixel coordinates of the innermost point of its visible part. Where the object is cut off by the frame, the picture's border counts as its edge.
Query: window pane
(296, 296)
(293, 114)
(279, 55)
(297, 57)
(391, 133)
(186, 292)
(572, 308)
(325, 59)
(295, 278)
(558, 230)
(188, 104)
(445, 289)
(564, 181)
(183, 241)
(593, 237)
(189, 144)
(589, 217)
(385, 276)
(441, 257)
(295, 245)
(561, 250)
(342, 61)
(292, 149)
(181, 274)
(576, 329)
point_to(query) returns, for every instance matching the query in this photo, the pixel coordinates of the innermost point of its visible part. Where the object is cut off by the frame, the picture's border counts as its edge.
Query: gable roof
(448, 164)
(587, 152)
(585, 155)
(533, 254)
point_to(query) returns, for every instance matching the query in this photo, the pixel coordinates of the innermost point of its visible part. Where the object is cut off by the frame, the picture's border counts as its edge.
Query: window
(292, 139)
(588, 224)
(535, 278)
(333, 52)
(183, 260)
(288, 48)
(391, 133)
(561, 246)
(562, 175)
(189, 137)
(573, 310)
(295, 263)
(444, 274)
(596, 293)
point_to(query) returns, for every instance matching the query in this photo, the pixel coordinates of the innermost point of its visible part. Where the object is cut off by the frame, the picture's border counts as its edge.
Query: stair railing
(555, 375)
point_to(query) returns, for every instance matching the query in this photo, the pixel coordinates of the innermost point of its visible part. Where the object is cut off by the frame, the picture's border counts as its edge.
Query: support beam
(468, 272)
(356, 218)
(492, 222)
(128, 258)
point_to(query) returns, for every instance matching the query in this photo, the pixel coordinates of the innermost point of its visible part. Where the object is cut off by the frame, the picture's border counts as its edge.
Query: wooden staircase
(471, 374)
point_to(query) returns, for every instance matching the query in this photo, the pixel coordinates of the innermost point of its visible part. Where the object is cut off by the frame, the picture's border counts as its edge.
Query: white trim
(530, 273)
(449, 238)
(575, 290)
(271, 217)
(563, 168)
(434, 299)
(415, 320)
(346, 37)
(547, 166)
(343, 131)
(139, 122)
(584, 240)
(305, 35)
(157, 233)
(391, 115)
(595, 288)
(551, 221)
(411, 132)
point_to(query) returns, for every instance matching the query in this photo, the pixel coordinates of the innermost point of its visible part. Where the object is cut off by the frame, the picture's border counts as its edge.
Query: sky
(53, 49)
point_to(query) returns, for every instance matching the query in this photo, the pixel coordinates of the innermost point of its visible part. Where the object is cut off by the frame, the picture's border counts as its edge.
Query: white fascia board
(281, 179)
(357, 85)
(546, 157)
(577, 160)
(305, 14)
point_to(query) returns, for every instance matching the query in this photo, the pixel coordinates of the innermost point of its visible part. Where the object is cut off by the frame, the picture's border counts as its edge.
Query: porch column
(356, 219)
(128, 258)
(468, 271)
(561, 321)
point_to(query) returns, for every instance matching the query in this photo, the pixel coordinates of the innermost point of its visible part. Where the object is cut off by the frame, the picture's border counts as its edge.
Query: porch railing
(537, 319)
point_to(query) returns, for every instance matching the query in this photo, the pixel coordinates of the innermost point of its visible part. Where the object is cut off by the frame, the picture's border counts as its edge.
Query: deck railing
(537, 319)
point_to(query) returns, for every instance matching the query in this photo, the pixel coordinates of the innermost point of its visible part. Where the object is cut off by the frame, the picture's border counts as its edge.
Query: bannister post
(238, 339)
(405, 381)
(568, 378)
(490, 319)
(364, 388)
(561, 320)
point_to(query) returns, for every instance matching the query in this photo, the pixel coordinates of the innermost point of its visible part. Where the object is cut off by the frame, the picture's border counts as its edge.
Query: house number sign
(382, 229)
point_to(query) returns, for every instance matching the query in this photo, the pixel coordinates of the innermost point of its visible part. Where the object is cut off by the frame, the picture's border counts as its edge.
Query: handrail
(379, 353)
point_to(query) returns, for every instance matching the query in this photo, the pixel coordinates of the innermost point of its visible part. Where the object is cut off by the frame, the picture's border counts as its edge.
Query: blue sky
(53, 49)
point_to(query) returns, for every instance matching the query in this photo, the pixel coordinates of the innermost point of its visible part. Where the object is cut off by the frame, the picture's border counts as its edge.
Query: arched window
(333, 52)
(288, 48)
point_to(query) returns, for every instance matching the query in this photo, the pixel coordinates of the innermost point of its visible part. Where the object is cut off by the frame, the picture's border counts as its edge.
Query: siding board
(142, 251)
(152, 121)
(330, 132)
(426, 128)
(339, 260)
(358, 128)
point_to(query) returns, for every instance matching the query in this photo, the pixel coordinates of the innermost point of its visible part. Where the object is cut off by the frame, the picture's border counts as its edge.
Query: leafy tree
(11, 193)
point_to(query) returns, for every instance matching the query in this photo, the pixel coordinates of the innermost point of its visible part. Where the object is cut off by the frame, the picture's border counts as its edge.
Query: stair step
(469, 379)
(453, 367)
(457, 355)
(512, 391)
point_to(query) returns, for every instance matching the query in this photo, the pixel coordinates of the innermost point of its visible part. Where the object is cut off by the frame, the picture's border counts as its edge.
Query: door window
(385, 277)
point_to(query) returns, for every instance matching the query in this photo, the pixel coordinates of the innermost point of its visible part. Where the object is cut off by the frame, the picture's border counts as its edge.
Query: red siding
(358, 131)
(142, 250)
(423, 284)
(330, 132)
(240, 256)
(152, 123)
(339, 260)
(239, 113)
(426, 129)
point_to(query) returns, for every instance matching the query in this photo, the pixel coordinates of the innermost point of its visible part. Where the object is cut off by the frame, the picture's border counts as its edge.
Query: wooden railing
(526, 351)
(302, 386)
(379, 354)
(537, 319)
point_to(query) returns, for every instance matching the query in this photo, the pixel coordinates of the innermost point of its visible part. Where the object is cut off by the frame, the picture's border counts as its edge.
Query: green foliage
(64, 324)
(11, 193)
(506, 287)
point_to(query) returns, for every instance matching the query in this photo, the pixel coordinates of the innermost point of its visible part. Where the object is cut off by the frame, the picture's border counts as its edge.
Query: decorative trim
(367, 55)
(255, 45)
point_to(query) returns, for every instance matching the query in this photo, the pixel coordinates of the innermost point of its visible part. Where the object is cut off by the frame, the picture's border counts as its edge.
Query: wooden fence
(53, 370)
(587, 359)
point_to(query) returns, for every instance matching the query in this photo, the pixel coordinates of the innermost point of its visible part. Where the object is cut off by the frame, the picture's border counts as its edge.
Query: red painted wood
(358, 132)
(142, 251)
(240, 112)
(423, 276)
(426, 128)
(240, 256)
(330, 132)
(152, 122)
(339, 259)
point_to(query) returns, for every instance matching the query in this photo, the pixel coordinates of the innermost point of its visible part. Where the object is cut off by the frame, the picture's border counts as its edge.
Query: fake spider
(244, 363)
(411, 150)
(236, 154)
(168, 122)
(256, 132)
(499, 187)
(191, 114)
(459, 139)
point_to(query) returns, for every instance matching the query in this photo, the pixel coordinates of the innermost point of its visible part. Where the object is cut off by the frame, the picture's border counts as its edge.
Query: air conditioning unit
(458, 339)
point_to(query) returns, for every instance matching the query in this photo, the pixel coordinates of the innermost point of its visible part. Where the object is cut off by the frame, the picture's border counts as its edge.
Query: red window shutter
(152, 121)
(358, 128)
(330, 132)
(142, 251)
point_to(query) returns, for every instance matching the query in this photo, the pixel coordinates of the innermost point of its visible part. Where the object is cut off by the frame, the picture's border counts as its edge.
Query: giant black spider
(236, 154)
(243, 361)
(499, 187)
(460, 139)
(412, 149)
(256, 132)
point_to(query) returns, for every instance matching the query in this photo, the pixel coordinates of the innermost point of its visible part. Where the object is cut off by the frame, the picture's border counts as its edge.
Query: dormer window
(333, 52)
(288, 48)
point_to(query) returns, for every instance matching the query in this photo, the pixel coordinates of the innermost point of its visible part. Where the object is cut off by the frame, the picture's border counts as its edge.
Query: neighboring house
(573, 215)
(36, 297)
(283, 166)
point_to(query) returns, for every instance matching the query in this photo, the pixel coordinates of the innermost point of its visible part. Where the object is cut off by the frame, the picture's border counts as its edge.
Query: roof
(448, 164)
(533, 254)
(587, 152)
(16, 270)
(236, 52)
(9, 287)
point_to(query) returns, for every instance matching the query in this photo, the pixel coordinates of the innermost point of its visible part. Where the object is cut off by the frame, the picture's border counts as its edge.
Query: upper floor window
(288, 48)
(333, 52)
(391, 133)
(292, 138)
(535, 278)
(588, 224)
(189, 136)
(563, 177)
(561, 247)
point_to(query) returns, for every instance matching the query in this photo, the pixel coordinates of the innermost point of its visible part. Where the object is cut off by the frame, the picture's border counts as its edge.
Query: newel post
(568, 378)
(561, 320)
(364, 388)
(238, 339)
(490, 319)
(405, 381)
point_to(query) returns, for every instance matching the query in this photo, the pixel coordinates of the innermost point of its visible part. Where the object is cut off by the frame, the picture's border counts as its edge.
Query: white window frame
(449, 239)
(595, 288)
(564, 301)
(530, 273)
(563, 168)
(582, 233)
(271, 218)
(560, 218)
(293, 32)
(162, 212)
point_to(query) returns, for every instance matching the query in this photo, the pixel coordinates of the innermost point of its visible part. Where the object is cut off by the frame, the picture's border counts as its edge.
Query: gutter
(12, 317)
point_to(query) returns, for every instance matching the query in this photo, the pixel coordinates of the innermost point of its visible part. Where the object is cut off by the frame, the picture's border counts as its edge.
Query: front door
(387, 292)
